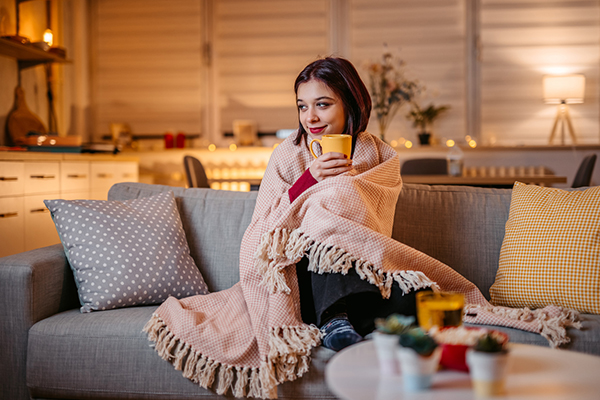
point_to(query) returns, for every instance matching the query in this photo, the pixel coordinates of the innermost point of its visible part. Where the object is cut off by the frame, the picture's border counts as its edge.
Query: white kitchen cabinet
(25, 222)
(12, 226)
(12, 178)
(39, 227)
(75, 178)
(42, 177)
(104, 174)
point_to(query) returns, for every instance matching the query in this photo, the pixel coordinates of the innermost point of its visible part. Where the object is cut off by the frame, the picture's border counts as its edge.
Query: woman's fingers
(330, 164)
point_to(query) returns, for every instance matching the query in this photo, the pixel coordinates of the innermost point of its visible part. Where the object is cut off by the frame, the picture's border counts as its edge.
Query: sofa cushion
(126, 253)
(551, 250)
(106, 355)
(214, 222)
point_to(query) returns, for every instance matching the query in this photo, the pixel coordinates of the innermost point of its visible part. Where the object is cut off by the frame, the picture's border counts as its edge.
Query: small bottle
(454, 159)
(168, 140)
(180, 140)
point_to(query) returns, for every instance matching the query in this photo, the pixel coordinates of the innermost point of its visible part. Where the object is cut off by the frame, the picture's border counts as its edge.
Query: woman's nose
(312, 116)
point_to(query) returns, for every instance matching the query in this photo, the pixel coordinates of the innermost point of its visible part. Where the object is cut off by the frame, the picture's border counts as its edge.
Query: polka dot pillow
(126, 253)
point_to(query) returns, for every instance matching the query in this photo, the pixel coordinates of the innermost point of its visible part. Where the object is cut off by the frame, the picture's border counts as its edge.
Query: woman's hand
(329, 165)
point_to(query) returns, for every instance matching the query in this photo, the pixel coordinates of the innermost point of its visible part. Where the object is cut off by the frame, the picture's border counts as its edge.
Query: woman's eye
(301, 107)
(322, 105)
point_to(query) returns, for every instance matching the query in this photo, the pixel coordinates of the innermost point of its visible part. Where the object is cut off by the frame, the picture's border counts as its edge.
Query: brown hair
(342, 78)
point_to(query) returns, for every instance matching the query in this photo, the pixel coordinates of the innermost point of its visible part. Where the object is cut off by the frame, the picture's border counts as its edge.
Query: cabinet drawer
(106, 174)
(42, 177)
(39, 226)
(12, 230)
(12, 176)
(128, 172)
(74, 176)
(83, 195)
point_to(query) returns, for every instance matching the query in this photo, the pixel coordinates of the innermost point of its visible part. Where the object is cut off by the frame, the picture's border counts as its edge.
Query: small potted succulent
(419, 357)
(487, 362)
(385, 339)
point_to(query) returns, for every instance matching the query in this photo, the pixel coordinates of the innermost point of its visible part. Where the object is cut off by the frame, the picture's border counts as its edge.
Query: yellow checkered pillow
(551, 250)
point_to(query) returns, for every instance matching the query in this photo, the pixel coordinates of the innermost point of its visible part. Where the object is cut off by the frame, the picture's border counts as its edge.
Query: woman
(317, 251)
(332, 99)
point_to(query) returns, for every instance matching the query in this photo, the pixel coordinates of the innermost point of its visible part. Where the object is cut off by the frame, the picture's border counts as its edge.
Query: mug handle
(311, 148)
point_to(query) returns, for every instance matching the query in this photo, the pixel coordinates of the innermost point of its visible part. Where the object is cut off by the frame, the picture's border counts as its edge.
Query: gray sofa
(49, 350)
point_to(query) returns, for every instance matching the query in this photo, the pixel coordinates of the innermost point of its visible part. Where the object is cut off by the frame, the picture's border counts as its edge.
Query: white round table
(534, 373)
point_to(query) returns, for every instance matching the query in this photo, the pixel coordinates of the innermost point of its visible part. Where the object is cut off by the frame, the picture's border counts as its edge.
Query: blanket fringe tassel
(242, 381)
(288, 359)
(289, 351)
(281, 247)
(553, 328)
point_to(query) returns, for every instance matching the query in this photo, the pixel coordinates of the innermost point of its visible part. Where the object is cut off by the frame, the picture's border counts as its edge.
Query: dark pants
(327, 294)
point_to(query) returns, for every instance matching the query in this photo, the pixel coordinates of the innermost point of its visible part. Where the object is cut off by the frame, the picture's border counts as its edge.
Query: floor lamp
(563, 90)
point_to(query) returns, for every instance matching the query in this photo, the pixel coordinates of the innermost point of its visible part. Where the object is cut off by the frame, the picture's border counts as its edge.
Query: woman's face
(320, 110)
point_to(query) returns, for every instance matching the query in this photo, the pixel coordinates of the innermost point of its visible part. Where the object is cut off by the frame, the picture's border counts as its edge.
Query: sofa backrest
(214, 222)
(461, 226)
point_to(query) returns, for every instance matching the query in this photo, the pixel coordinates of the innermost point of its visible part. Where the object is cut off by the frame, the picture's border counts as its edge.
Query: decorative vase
(417, 370)
(488, 372)
(386, 346)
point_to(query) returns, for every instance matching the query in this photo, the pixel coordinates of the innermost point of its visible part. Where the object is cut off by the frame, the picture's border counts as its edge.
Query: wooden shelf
(27, 55)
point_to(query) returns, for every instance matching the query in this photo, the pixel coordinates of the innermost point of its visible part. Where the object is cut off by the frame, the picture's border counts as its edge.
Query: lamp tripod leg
(556, 119)
(570, 125)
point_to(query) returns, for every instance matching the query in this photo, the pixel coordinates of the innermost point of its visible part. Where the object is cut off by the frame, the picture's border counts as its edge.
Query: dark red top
(303, 183)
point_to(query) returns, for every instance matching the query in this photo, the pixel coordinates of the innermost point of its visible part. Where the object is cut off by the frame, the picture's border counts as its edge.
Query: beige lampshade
(569, 89)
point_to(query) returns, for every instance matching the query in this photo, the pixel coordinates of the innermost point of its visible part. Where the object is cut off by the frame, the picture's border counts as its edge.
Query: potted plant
(423, 119)
(390, 89)
(385, 339)
(487, 362)
(419, 357)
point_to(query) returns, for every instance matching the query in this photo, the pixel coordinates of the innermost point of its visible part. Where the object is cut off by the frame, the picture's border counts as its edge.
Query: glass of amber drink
(439, 309)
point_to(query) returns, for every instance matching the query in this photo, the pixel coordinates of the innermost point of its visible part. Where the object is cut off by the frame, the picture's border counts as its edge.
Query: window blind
(521, 41)
(146, 65)
(429, 36)
(259, 49)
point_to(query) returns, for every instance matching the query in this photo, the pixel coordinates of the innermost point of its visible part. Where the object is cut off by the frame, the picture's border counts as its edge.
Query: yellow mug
(337, 143)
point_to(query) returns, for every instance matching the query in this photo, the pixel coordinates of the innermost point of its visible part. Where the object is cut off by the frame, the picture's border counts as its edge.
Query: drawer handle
(8, 178)
(76, 176)
(39, 210)
(42, 176)
(105, 176)
(9, 214)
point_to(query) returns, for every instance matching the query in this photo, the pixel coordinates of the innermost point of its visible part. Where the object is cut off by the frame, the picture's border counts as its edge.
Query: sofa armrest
(33, 285)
